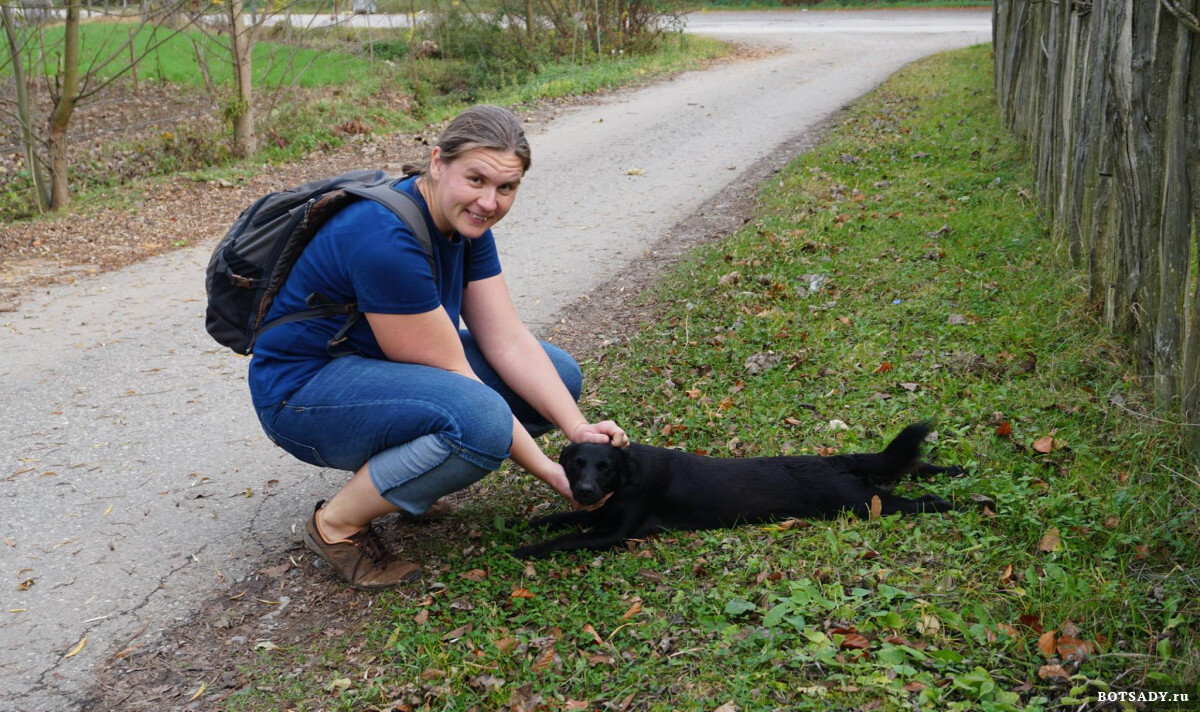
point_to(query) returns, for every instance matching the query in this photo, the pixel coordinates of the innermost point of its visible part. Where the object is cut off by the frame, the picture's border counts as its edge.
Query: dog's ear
(626, 467)
(568, 452)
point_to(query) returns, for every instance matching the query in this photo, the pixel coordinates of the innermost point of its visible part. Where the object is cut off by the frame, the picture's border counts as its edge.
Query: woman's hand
(604, 432)
(556, 477)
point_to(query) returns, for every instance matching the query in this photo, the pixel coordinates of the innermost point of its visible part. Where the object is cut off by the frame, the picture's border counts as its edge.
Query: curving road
(127, 442)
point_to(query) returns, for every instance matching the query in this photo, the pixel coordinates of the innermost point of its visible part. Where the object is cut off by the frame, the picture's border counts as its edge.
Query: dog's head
(594, 470)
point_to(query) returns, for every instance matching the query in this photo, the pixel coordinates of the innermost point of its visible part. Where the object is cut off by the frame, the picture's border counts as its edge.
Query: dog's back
(698, 492)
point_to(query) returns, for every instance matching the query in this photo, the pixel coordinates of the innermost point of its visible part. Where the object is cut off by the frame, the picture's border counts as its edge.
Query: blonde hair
(481, 126)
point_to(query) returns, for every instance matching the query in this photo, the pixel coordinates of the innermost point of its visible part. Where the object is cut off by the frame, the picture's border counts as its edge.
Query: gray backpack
(251, 262)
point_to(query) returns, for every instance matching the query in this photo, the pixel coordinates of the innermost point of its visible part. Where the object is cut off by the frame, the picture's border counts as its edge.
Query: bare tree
(73, 81)
(241, 109)
(28, 140)
(232, 40)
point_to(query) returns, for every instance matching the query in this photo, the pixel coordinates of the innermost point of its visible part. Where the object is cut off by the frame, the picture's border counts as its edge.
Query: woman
(421, 408)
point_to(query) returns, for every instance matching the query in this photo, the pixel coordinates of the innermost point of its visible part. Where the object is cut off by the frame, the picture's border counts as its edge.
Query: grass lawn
(1069, 569)
(170, 55)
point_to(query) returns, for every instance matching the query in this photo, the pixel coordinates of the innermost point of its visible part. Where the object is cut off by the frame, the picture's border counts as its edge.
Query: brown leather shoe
(361, 559)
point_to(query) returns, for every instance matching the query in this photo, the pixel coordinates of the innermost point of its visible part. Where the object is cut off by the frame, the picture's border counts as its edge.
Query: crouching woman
(419, 408)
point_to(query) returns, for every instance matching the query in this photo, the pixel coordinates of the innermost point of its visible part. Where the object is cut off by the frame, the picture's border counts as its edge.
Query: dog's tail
(903, 453)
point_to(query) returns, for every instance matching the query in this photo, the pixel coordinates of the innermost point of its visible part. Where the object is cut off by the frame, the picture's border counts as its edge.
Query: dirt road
(134, 475)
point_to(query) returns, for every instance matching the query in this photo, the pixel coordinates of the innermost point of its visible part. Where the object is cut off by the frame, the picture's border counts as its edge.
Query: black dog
(655, 488)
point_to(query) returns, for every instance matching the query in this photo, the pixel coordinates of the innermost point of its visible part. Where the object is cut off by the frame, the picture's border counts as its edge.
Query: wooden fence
(1107, 95)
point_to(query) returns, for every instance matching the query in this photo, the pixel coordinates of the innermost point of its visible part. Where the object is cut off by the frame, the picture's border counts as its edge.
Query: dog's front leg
(924, 468)
(632, 524)
(581, 518)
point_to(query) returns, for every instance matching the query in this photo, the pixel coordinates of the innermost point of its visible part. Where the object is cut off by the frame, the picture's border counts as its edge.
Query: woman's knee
(568, 369)
(484, 422)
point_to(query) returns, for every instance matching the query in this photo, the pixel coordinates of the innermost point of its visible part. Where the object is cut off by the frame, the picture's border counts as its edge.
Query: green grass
(167, 55)
(946, 300)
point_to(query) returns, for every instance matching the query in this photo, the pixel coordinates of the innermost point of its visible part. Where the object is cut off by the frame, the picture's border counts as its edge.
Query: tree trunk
(28, 141)
(60, 118)
(242, 108)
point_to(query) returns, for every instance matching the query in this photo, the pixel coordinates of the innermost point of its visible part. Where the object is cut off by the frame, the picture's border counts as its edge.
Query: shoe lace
(374, 549)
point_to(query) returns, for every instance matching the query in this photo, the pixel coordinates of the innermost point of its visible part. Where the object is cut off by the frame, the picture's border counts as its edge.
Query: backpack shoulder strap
(403, 206)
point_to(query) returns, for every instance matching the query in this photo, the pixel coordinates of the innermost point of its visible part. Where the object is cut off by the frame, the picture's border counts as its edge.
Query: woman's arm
(521, 362)
(428, 339)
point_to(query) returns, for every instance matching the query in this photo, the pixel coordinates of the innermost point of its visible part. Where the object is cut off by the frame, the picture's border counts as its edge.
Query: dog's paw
(532, 551)
(931, 503)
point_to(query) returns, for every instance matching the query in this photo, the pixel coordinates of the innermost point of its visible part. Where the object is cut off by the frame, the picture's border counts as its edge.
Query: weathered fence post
(1105, 94)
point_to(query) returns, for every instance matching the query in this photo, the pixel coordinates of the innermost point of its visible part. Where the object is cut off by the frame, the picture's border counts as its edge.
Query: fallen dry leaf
(1072, 648)
(75, 650)
(522, 593)
(1051, 541)
(276, 571)
(1048, 671)
(474, 575)
(200, 691)
(505, 644)
(1004, 430)
(634, 609)
(587, 628)
(876, 507)
(929, 624)
(458, 632)
(1046, 643)
(422, 617)
(855, 641)
(341, 683)
(1044, 444)
(544, 660)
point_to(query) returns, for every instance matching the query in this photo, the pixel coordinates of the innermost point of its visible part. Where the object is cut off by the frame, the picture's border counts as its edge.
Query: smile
(476, 217)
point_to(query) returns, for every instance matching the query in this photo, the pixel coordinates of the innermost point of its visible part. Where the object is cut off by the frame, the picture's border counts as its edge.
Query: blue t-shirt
(363, 254)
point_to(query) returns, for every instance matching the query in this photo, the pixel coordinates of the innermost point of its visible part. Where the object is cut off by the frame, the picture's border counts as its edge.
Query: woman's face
(470, 194)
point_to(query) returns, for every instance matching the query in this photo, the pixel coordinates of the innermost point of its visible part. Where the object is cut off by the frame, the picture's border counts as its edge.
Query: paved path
(133, 474)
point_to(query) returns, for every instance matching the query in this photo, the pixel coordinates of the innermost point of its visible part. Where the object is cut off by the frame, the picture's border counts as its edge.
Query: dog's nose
(586, 494)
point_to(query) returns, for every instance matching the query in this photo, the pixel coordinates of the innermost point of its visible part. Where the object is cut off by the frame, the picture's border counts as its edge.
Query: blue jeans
(424, 432)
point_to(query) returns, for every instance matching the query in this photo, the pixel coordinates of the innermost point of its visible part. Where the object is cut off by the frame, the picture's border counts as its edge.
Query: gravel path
(135, 476)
